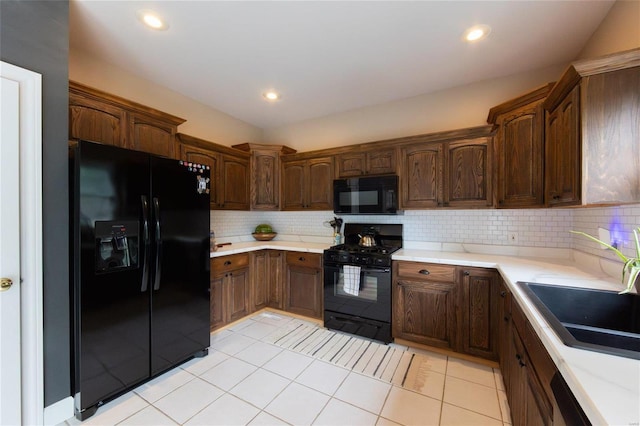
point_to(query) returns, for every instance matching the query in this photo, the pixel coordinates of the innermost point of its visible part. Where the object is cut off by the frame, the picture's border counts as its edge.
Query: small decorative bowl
(264, 236)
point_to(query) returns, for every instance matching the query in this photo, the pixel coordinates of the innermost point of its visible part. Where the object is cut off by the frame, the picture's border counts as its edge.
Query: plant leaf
(624, 258)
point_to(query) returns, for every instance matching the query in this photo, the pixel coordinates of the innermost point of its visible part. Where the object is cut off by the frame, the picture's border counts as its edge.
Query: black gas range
(357, 280)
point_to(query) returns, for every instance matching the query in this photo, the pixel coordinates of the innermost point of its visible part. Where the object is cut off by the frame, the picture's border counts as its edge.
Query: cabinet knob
(506, 318)
(227, 263)
(424, 272)
(503, 293)
(467, 273)
(301, 259)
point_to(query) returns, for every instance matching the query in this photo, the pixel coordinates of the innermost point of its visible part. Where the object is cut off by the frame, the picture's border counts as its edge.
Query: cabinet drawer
(518, 318)
(307, 260)
(220, 265)
(426, 271)
(539, 357)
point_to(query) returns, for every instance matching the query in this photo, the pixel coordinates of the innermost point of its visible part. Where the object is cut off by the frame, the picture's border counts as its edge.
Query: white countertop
(606, 386)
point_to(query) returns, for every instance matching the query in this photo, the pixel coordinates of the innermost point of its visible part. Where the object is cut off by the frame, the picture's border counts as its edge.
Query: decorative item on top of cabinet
(519, 150)
(425, 303)
(303, 285)
(230, 289)
(265, 174)
(307, 182)
(366, 160)
(229, 188)
(104, 118)
(479, 312)
(593, 126)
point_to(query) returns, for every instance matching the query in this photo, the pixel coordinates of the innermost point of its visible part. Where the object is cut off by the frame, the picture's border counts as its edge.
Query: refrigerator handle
(156, 208)
(146, 243)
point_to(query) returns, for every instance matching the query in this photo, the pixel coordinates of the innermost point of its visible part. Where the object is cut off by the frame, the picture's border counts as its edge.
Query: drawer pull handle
(301, 259)
(227, 263)
(467, 273)
(503, 293)
(424, 272)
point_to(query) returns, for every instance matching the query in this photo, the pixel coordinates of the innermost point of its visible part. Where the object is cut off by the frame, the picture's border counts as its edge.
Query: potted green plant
(631, 266)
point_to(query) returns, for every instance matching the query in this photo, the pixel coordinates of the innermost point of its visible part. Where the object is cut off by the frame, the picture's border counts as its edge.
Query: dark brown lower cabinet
(448, 307)
(266, 271)
(303, 285)
(479, 316)
(528, 370)
(230, 289)
(425, 303)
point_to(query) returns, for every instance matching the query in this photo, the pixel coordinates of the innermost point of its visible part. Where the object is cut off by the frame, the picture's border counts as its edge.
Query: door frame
(31, 269)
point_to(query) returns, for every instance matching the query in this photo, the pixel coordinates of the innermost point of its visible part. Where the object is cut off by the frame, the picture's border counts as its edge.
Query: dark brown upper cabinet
(519, 150)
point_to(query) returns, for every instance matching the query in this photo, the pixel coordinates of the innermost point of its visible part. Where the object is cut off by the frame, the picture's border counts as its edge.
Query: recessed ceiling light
(152, 20)
(477, 32)
(271, 95)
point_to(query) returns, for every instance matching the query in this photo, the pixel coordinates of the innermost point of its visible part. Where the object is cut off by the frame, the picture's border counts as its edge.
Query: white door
(10, 386)
(21, 348)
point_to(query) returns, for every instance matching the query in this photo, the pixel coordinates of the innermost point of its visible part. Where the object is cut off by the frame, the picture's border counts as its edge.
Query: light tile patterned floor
(272, 369)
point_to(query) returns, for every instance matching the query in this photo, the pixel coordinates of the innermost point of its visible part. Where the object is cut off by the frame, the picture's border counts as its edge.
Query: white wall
(620, 30)
(456, 108)
(202, 121)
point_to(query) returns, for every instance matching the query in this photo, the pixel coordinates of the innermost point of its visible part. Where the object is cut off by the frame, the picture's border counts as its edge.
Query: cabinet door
(562, 152)
(504, 331)
(234, 183)
(468, 173)
(217, 302)
(538, 410)
(422, 183)
(275, 278)
(381, 162)
(520, 157)
(304, 291)
(202, 156)
(426, 313)
(479, 313)
(352, 164)
(152, 136)
(95, 121)
(319, 184)
(259, 279)
(293, 185)
(265, 184)
(238, 282)
(303, 288)
(517, 380)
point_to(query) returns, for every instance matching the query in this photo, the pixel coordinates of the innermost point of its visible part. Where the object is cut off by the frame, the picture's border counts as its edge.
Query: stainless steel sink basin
(596, 320)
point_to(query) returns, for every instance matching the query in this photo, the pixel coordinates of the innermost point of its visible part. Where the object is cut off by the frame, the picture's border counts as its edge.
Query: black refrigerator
(140, 268)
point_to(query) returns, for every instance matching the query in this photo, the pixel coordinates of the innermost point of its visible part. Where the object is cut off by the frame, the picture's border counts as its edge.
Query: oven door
(360, 291)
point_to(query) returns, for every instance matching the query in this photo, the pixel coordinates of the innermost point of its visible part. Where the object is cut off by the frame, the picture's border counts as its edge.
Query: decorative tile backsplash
(523, 227)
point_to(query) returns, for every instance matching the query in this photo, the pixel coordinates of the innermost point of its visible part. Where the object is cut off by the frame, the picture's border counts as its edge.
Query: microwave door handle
(158, 269)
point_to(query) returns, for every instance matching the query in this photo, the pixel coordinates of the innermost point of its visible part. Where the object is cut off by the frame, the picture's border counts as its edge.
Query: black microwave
(366, 195)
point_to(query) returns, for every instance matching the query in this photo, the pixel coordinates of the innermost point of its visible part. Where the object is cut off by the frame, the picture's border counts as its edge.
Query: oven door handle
(363, 269)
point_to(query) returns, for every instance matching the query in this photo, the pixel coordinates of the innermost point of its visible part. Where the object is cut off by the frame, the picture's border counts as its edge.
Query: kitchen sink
(596, 320)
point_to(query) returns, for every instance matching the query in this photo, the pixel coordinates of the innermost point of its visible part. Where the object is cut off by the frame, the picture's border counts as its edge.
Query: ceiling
(327, 57)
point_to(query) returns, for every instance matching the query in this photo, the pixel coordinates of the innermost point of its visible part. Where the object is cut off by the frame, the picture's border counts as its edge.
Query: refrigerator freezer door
(111, 320)
(180, 279)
